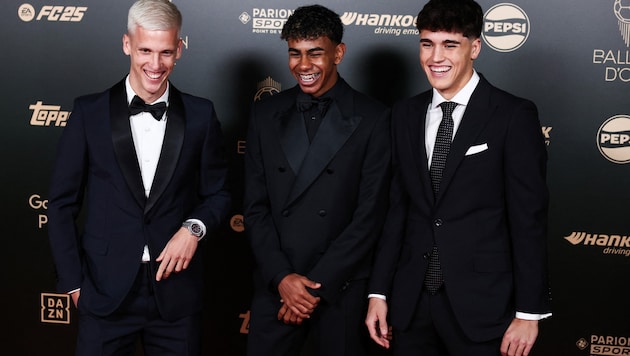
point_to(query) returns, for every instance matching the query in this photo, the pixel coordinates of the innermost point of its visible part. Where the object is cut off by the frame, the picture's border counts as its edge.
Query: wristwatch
(194, 228)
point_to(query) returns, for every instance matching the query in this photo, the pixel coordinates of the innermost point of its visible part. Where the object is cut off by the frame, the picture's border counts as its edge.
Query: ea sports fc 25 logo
(56, 13)
(505, 27)
(613, 139)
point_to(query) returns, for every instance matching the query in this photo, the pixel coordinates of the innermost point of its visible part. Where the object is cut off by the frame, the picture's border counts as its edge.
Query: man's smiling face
(153, 55)
(447, 60)
(313, 63)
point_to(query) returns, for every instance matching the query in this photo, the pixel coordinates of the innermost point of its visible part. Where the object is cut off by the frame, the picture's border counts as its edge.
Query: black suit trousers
(333, 329)
(138, 319)
(434, 331)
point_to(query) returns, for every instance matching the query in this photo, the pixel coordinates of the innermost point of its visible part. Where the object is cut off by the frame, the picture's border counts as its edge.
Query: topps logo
(46, 115)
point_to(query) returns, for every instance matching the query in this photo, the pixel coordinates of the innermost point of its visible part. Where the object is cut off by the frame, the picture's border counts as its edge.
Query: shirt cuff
(378, 296)
(74, 290)
(529, 316)
(203, 227)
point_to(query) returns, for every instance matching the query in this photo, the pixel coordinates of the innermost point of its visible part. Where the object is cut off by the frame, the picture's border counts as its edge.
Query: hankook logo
(613, 139)
(613, 244)
(506, 27)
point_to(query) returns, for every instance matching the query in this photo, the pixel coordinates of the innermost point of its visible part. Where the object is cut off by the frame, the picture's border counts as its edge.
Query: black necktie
(433, 279)
(138, 105)
(442, 144)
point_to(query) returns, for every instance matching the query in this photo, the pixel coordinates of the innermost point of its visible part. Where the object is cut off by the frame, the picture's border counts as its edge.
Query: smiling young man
(153, 177)
(317, 169)
(461, 267)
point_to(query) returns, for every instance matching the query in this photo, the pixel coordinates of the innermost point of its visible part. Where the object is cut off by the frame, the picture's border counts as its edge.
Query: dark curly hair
(310, 22)
(461, 16)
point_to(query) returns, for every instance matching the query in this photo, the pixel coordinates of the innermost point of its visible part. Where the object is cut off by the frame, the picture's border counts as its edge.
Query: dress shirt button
(437, 222)
(285, 213)
(322, 213)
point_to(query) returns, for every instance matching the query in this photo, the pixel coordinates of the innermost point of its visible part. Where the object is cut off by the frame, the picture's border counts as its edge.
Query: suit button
(426, 256)
(330, 171)
(285, 213)
(322, 213)
(282, 169)
(437, 222)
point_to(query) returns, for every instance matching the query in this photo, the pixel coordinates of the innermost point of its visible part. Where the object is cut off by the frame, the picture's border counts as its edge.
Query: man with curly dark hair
(317, 168)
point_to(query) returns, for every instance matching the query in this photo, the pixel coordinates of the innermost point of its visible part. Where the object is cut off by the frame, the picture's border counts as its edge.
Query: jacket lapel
(477, 114)
(122, 140)
(337, 126)
(171, 146)
(293, 138)
(416, 132)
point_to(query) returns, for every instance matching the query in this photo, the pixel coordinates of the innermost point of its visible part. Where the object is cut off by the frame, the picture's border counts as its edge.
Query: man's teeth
(440, 69)
(153, 75)
(308, 77)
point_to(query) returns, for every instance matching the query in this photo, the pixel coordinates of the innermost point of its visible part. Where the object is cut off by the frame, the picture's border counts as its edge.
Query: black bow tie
(138, 105)
(307, 103)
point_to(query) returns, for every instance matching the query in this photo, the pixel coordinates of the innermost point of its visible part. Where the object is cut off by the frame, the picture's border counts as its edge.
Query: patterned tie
(442, 145)
(138, 105)
(433, 279)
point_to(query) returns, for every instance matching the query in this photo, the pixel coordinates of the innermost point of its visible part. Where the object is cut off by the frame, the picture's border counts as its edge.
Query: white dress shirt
(148, 136)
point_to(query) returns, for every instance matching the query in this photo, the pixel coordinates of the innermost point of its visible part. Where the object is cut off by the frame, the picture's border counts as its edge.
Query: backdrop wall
(571, 58)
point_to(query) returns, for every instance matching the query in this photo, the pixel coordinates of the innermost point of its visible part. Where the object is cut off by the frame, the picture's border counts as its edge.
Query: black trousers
(435, 331)
(334, 329)
(138, 321)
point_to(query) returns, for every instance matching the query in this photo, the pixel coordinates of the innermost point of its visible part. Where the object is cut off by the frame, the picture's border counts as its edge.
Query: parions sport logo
(605, 345)
(613, 139)
(266, 21)
(505, 27)
(53, 13)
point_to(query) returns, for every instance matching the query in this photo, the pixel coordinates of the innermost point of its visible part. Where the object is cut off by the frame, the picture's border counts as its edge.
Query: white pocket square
(476, 149)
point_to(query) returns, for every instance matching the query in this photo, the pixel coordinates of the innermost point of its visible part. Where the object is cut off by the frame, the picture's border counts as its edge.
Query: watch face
(196, 229)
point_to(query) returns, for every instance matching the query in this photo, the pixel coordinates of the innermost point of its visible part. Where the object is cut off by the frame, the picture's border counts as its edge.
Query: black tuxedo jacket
(316, 209)
(489, 219)
(96, 160)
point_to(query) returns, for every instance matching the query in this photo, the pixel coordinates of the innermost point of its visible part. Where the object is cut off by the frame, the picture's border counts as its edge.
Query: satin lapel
(123, 141)
(293, 138)
(476, 116)
(171, 147)
(417, 116)
(333, 132)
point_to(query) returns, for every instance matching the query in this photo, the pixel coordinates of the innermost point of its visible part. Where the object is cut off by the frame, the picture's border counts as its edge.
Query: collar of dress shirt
(462, 97)
(131, 93)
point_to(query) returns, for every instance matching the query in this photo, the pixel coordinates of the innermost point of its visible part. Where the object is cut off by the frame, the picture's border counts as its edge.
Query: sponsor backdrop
(571, 58)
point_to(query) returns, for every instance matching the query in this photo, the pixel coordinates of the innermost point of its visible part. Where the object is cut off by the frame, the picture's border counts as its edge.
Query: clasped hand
(297, 303)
